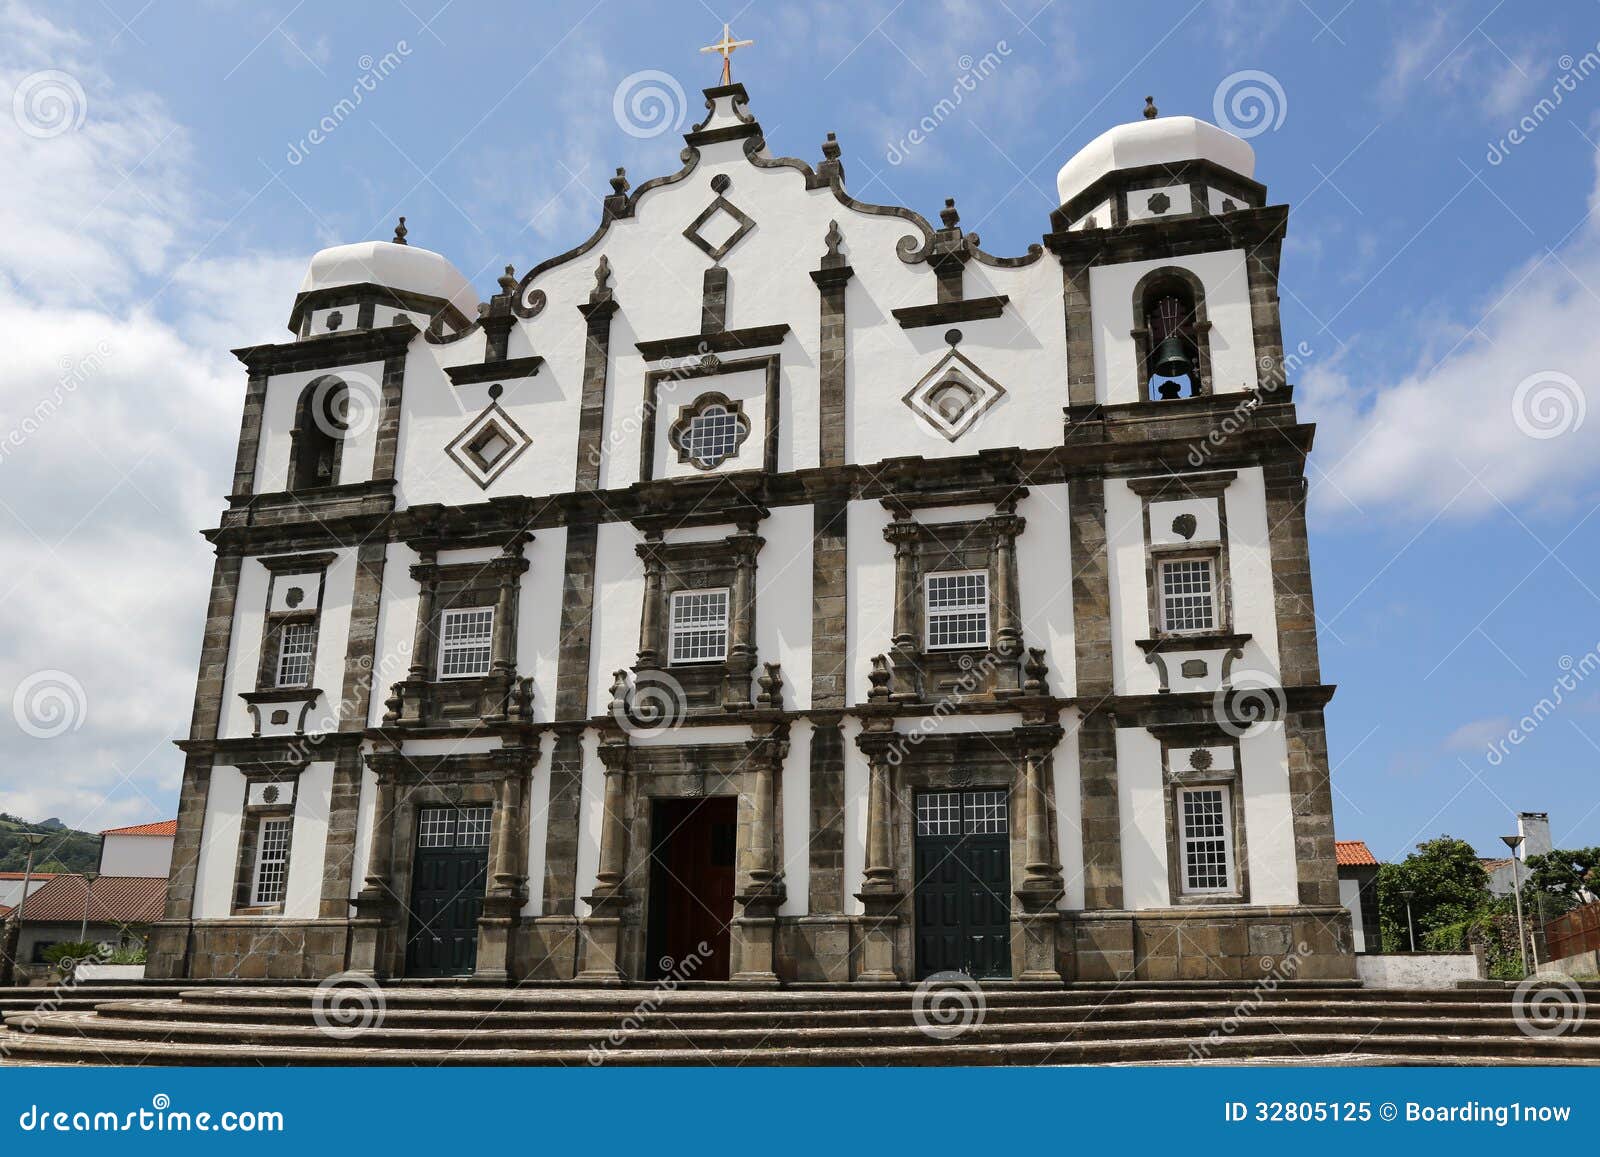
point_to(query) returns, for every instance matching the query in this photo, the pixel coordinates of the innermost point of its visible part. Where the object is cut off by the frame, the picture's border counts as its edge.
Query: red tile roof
(112, 900)
(4, 911)
(21, 875)
(164, 828)
(1353, 854)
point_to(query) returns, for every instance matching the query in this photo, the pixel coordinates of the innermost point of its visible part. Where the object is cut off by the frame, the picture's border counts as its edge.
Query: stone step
(627, 999)
(606, 1020)
(492, 1035)
(1327, 1047)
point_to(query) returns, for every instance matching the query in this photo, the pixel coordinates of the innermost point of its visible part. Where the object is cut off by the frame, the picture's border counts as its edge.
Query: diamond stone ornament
(488, 446)
(953, 395)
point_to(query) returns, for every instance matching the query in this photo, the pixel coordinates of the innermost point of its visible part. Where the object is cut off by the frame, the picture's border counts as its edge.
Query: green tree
(1448, 885)
(1561, 880)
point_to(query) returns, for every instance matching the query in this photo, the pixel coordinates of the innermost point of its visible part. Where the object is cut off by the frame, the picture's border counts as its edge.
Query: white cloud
(1502, 406)
(118, 411)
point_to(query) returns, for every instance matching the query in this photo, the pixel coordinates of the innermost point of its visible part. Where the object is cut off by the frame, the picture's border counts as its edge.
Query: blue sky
(1442, 277)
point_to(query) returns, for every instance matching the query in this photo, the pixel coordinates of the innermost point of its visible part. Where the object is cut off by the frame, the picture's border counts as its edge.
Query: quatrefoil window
(709, 431)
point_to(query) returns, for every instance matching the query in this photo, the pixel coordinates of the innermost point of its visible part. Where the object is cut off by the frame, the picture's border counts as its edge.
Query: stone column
(426, 574)
(742, 618)
(602, 928)
(880, 890)
(375, 903)
(1041, 882)
(904, 534)
(1006, 526)
(650, 623)
(762, 891)
(505, 895)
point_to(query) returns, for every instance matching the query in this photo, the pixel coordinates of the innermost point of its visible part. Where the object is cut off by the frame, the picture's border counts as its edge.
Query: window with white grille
(272, 861)
(1207, 834)
(466, 639)
(939, 813)
(448, 827)
(957, 610)
(986, 813)
(296, 643)
(699, 626)
(1188, 595)
(472, 830)
(713, 435)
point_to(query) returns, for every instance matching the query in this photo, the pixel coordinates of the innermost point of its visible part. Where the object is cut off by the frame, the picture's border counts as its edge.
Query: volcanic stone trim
(561, 834)
(949, 312)
(1080, 332)
(388, 440)
(832, 282)
(187, 842)
(714, 301)
(596, 370)
(367, 296)
(713, 341)
(1097, 741)
(826, 842)
(1291, 574)
(711, 366)
(1311, 800)
(476, 372)
(329, 351)
(1192, 172)
(829, 602)
(244, 465)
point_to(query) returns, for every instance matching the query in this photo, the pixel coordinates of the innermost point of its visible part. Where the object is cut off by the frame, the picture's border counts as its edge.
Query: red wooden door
(691, 888)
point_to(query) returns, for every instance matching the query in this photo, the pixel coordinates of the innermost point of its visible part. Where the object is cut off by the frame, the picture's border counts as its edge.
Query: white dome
(1156, 141)
(403, 267)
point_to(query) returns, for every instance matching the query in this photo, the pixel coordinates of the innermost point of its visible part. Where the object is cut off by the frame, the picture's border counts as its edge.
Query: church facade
(777, 588)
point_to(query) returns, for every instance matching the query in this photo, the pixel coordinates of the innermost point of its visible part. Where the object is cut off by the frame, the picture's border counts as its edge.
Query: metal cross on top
(726, 46)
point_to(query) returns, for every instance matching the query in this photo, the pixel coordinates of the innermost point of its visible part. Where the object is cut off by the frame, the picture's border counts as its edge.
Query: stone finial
(400, 232)
(948, 214)
(1035, 668)
(602, 274)
(830, 148)
(834, 239)
(832, 168)
(771, 683)
(508, 280)
(619, 694)
(1150, 109)
(879, 677)
(619, 183)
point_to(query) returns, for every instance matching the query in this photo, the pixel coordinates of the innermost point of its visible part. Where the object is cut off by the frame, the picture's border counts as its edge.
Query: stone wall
(1416, 969)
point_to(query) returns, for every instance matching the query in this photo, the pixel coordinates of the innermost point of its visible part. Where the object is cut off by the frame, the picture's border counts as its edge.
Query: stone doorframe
(902, 763)
(635, 777)
(498, 779)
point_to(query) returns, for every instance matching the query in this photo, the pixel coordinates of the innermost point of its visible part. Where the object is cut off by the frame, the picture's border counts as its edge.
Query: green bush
(70, 953)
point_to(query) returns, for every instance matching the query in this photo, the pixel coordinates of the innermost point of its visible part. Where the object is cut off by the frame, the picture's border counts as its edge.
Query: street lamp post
(1411, 928)
(1515, 842)
(11, 942)
(33, 840)
(88, 890)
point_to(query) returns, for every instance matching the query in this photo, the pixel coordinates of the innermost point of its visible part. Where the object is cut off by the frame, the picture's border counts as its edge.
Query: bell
(1171, 359)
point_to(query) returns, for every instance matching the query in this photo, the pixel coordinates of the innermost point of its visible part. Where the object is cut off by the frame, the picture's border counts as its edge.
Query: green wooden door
(447, 884)
(962, 895)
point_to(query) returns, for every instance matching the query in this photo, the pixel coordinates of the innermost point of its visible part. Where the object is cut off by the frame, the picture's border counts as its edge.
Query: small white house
(142, 850)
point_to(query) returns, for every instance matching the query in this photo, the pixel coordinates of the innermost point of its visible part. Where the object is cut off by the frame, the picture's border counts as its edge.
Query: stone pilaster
(388, 439)
(375, 903)
(1291, 575)
(826, 844)
(742, 618)
(651, 625)
(904, 535)
(1007, 525)
(597, 313)
(602, 928)
(761, 890)
(244, 466)
(832, 279)
(1041, 882)
(880, 891)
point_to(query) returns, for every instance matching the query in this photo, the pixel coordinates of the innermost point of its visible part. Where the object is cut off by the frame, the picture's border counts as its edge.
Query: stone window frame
(274, 622)
(1145, 291)
(444, 615)
(325, 386)
(673, 627)
(711, 366)
(985, 543)
(251, 821)
(1174, 781)
(928, 613)
(701, 564)
(1211, 485)
(678, 433)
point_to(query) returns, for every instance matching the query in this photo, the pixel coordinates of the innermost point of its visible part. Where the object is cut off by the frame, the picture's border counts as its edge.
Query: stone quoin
(777, 588)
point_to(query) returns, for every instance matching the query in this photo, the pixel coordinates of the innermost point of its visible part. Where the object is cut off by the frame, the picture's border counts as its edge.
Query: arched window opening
(318, 435)
(1172, 368)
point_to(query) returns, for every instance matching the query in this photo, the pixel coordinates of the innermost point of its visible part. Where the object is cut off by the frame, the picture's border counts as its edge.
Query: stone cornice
(328, 351)
(475, 372)
(948, 312)
(725, 341)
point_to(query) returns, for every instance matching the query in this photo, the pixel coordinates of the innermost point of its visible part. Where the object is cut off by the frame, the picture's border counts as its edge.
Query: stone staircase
(456, 1024)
